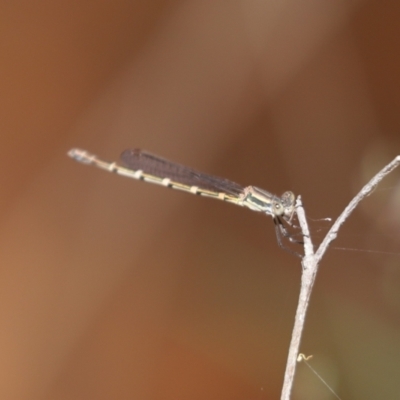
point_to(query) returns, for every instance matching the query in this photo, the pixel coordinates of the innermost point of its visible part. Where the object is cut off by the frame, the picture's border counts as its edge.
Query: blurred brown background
(115, 289)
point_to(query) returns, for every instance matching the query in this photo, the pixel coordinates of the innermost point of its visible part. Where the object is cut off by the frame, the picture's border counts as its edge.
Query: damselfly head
(288, 200)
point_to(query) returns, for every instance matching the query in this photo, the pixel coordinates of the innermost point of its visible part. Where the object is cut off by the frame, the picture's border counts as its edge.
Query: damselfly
(144, 166)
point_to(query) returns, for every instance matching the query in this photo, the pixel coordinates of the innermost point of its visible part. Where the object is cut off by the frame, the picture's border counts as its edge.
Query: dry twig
(310, 265)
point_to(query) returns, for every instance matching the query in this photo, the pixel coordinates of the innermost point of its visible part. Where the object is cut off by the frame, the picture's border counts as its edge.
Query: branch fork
(310, 264)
